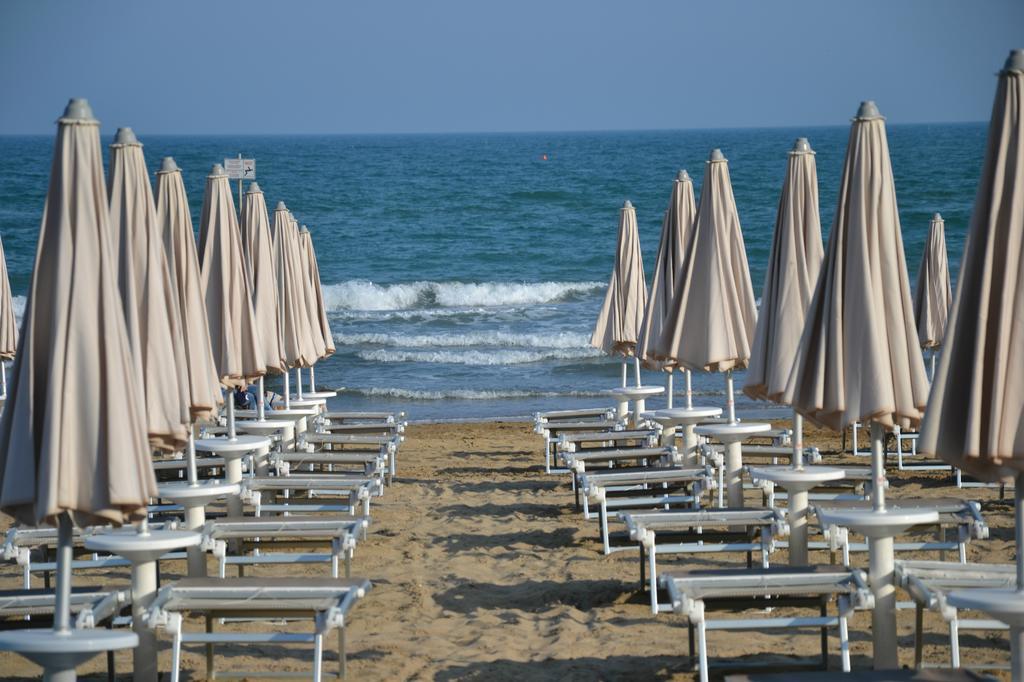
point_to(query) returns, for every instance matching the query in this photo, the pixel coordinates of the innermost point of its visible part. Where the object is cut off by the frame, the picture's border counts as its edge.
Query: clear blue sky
(307, 66)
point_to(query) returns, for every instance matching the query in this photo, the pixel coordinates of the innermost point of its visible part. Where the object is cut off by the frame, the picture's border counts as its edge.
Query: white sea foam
(465, 394)
(18, 303)
(477, 357)
(360, 294)
(499, 339)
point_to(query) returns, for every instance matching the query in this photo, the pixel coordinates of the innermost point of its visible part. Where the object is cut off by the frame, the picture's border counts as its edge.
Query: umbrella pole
(312, 378)
(231, 413)
(931, 368)
(3, 379)
(881, 565)
(668, 388)
(190, 456)
(287, 390)
(689, 390)
(62, 605)
(729, 402)
(798, 440)
(636, 369)
(1017, 633)
(623, 371)
(298, 383)
(260, 407)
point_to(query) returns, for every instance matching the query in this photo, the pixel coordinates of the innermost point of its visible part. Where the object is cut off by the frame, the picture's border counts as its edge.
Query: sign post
(240, 169)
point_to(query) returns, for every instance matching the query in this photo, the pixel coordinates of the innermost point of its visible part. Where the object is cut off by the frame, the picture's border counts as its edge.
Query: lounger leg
(318, 656)
(702, 644)
(689, 632)
(918, 635)
(342, 654)
(643, 568)
(604, 527)
(348, 562)
(652, 554)
(209, 650)
(176, 657)
(844, 643)
(824, 636)
(954, 643)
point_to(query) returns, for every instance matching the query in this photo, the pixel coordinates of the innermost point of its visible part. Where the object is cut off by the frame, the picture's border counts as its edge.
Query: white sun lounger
(643, 490)
(341, 416)
(352, 492)
(552, 433)
(604, 459)
(694, 593)
(928, 583)
(341, 441)
(963, 516)
(244, 541)
(326, 602)
(683, 532)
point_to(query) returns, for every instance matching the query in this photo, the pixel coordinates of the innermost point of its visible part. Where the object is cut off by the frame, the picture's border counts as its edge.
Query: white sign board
(240, 169)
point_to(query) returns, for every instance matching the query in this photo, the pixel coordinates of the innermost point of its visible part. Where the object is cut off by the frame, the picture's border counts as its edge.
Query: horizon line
(509, 132)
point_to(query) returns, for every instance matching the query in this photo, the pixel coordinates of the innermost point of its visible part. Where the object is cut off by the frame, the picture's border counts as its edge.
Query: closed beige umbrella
(306, 240)
(793, 267)
(8, 324)
(712, 323)
(175, 224)
(308, 302)
(313, 273)
(933, 295)
(676, 232)
(974, 419)
(858, 358)
(258, 250)
(73, 444)
(618, 324)
(299, 350)
(237, 349)
(150, 304)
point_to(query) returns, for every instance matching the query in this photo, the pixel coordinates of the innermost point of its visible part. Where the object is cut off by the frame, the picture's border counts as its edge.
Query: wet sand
(483, 571)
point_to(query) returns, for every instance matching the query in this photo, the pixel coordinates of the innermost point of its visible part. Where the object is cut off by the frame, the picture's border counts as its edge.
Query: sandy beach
(482, 571)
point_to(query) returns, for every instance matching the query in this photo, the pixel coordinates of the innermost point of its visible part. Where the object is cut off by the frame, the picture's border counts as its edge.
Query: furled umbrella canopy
(175, 224)
(150, 306)
(310, 315)
(974, 419)
(259, 258)
(933, 295)
(237, 349)
(676, 233)
(618, 323)
(73, 433)
(313, 272)
(858, 358)
(8, 323)
(789, 283)
(299, 350)
(712, 323)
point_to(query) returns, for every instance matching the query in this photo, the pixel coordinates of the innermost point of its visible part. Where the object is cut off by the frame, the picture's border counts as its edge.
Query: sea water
(463, 273)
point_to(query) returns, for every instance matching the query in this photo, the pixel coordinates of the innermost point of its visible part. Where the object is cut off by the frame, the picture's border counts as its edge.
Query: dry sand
(482, 571)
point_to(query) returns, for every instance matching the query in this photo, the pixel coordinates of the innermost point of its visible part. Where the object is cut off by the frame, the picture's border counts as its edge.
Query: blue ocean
(463, 273)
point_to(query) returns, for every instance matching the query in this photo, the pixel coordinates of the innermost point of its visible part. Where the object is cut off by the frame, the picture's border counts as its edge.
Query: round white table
(732, 435)
(637, 394)
(319, 394)
(194, 499)
(142, 550)
(59, 653)
(880, 527)
(797, 483)
(233, 450)
(283, 430)
(687, 417)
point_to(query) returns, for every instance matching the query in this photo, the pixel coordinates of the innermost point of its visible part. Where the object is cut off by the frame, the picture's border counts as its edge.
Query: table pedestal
(638, 395)
(732, 436)
(59, 653)
(880, 527)
(233, 450)
(143, 550)
(797, 483)
(687, 418)
(194, 499)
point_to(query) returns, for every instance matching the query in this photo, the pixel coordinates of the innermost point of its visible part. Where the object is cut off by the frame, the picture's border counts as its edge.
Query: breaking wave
(499, 339)
(361, 294)
(464, 394)
(478, 357)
